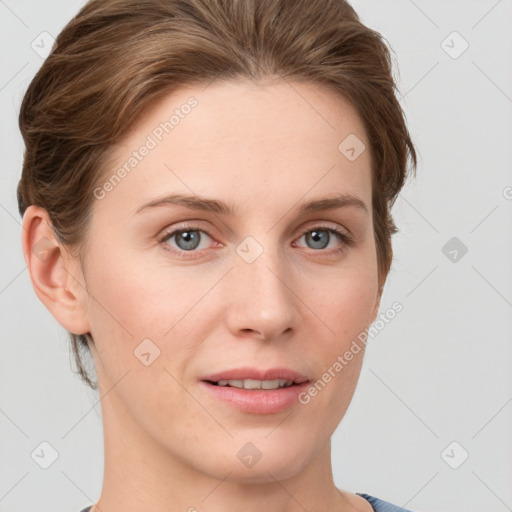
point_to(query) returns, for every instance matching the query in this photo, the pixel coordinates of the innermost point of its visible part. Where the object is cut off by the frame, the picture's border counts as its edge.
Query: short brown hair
(116, 56)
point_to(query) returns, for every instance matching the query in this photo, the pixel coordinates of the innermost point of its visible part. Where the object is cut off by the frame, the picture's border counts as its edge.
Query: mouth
(256, 391)
(256, 379)
(254, 384)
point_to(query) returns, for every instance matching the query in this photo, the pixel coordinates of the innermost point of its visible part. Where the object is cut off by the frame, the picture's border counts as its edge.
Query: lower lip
(258, 401)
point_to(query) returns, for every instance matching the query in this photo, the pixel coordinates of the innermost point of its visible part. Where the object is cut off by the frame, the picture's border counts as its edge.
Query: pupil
(190, 240)
(316, 237)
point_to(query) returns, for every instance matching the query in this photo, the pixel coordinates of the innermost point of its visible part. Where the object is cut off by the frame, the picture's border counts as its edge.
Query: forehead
(244, 140)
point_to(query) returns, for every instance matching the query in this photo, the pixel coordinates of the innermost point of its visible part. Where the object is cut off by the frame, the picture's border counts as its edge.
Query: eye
(319, 238)
(186, 239)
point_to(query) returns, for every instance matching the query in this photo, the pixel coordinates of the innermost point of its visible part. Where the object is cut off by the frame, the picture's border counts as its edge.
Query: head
(262, 108)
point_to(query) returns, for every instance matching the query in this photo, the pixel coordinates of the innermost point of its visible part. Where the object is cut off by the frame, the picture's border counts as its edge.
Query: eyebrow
(220, 207)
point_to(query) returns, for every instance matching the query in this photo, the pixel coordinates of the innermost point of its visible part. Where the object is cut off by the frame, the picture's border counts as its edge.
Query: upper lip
(257, 374)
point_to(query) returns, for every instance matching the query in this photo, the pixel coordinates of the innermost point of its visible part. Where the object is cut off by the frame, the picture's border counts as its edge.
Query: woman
(206, 197)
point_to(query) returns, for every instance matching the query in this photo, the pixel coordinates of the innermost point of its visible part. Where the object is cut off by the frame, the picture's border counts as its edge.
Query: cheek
(344, 303)
(136, 299)
(136, 312)
(344, 306)
(352, 310)
(133, 302)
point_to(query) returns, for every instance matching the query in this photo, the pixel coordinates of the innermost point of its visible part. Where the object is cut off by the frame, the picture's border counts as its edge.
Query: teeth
(256, 384)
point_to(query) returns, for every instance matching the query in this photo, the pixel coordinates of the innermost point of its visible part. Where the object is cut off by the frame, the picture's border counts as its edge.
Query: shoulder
(381, 505)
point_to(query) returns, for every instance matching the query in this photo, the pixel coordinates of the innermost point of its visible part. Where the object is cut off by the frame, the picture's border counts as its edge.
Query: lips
(257, 374)
(255, 401)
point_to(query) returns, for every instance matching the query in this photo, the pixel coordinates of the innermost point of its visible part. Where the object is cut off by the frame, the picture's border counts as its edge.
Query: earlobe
(55, 276)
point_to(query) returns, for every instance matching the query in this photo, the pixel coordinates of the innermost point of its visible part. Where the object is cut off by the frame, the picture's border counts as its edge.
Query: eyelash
(347, 240)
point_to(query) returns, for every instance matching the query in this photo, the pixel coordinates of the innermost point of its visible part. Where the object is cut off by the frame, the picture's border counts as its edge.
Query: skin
(266, 148)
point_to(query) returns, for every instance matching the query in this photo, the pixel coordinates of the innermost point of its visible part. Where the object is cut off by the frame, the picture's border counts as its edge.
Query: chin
(259, 462)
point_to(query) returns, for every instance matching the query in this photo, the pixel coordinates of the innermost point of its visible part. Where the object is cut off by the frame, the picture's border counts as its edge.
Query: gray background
(439, 373)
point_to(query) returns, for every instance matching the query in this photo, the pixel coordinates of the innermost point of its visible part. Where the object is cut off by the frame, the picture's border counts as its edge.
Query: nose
(262, 302)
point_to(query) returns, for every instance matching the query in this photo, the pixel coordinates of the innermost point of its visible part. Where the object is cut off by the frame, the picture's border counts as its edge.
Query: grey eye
(187, 240)
(319, 238)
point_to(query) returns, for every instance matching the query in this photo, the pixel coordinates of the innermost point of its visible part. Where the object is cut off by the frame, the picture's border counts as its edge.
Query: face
(254, 287)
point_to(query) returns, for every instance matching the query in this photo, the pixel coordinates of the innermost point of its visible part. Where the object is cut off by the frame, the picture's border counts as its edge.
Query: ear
(56, 275)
